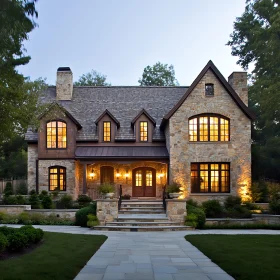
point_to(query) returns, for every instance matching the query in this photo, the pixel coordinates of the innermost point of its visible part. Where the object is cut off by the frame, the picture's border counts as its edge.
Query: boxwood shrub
(3, 242)
(81, 215)
(195, 217)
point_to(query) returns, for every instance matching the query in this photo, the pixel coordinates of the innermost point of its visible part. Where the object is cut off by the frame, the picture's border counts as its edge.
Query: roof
(220, 77)
(143, 112)
(122, 152)
(123, 102)
(106, 112)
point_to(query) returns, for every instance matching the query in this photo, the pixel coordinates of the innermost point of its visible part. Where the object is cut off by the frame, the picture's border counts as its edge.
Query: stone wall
(70, 175)
(238, 80)
(106, 210)
(14, 209)
(266, 219)
(32, 156)
(237, 151)
(176, 210)
(60, 213)
(229, 221)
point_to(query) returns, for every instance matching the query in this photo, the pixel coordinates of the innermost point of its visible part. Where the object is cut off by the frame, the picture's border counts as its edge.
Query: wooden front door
(144, 182)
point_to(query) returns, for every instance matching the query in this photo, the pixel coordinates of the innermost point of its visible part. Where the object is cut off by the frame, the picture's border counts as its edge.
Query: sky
(119, 38)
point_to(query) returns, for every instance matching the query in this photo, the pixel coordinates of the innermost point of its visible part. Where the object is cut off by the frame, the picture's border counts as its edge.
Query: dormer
(143, 125)
(107, 126)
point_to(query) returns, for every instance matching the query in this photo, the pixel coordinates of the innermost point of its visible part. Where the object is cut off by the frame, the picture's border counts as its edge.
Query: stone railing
(176, 210)
(106, 210)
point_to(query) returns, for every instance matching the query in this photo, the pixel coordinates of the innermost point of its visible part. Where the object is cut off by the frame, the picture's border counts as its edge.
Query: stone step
(140, 208)
(140, 205)
(142, 228)
(145, 223)
(142, 218)
(140, 211)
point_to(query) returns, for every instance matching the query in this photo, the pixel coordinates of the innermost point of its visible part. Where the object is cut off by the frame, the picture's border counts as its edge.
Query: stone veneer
(32, 156)
(106, 210)
(14, 209)
(176, 210)
(237, 151)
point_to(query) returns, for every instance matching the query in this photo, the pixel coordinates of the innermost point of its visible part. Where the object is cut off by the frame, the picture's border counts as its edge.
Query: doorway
(144, 182)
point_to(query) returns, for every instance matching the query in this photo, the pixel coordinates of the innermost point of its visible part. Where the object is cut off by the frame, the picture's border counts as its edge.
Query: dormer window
(56, 135)
(143, 131)
(107, 131)
(209, 89)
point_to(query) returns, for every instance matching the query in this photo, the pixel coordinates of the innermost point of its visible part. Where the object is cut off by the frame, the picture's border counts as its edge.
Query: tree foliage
(158, 75)
(256, 41)
(92, 78)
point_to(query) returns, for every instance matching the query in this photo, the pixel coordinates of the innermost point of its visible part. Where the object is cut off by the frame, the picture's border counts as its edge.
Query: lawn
(250, 257)
(61, 256)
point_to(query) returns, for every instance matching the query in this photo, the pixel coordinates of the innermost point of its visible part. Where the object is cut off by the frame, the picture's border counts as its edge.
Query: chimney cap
(63, 69)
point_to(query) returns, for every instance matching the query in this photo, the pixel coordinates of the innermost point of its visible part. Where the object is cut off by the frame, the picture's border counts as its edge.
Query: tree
(92, 78)
(256, 41)
(158, 75)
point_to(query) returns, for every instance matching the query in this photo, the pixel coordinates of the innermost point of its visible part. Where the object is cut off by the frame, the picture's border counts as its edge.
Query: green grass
(250, 257)
(61, 256)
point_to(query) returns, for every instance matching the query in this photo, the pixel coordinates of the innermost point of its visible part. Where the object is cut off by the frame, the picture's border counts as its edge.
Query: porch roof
(122, 152)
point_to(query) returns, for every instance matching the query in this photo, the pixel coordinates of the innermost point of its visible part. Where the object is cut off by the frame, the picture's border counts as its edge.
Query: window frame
(212, 85)
(56, 140)
(209, 115)
(104, 131)
(140, 131)
(209, 177)
(58, 167)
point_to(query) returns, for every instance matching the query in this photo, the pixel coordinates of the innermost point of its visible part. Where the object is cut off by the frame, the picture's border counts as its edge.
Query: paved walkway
(150, 255)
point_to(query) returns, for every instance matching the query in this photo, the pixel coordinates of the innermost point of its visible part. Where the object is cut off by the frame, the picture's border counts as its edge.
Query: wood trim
(144, 169)
(143, 111)
(58, 177)
(56, 131)
(106, 112)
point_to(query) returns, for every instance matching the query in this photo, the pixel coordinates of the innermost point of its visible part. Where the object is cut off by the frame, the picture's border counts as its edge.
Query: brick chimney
(64, 83)
(238, 81)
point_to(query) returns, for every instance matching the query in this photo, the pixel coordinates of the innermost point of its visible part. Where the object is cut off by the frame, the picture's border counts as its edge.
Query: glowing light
(92, 174)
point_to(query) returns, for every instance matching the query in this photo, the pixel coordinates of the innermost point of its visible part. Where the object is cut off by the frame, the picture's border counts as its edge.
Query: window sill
(207, 194)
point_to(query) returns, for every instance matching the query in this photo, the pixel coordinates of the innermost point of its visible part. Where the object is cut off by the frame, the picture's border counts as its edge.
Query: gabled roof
(106, 112)
(220, 77)
(143, 112)
(55, 104)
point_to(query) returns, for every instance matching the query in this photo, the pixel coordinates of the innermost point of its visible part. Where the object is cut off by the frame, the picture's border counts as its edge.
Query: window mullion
(219, 129)
(209, 177)
(208, 122)
(220, 177)
(56, 137)
(198, 129)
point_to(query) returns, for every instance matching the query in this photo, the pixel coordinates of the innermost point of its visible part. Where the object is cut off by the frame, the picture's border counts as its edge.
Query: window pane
(138, 178)
(203, 181)
(195, 182)
(193, 129)
(203, 128)
(224, 127)
(214, 130)
(149, 178)
(143, 131)
(107, 131)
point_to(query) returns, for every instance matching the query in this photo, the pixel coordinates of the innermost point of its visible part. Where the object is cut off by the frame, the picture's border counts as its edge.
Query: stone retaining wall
(14, 209)
(229, 221)
(176, 210)
(106, 210)
(266, 219)
(60, 213)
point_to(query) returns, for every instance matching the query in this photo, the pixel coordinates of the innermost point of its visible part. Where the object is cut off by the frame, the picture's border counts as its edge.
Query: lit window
(138, 178)
(143, 131)
(107, 131)
(56, 135)
(209, 128)
(149, 178)
(57, 178)
(209, 89)
(210, 177)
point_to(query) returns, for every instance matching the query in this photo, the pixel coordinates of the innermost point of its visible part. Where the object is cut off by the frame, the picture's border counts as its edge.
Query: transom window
(57, 178)
(210, 177)
(143, 131)
(106, 131)
(209, 128)
(56, 135)
(209, 89)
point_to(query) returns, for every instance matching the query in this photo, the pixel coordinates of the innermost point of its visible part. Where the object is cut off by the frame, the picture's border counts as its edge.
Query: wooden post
(84, 178)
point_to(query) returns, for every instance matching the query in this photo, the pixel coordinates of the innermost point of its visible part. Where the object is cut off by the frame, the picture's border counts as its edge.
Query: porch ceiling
(121, 152)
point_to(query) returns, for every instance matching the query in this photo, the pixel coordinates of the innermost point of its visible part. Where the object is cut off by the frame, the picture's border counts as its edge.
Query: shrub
(256, 192)
(197, 217)
(47, 202)
(22, 189)
(8, 189)
(232, 202)
(17, 241)
(239, 211)
(273, 191)
(10, 200)
(55, 194)
(34, 235)
(126, 196)
(2, 216)
(84, 200)
(32, 192)
(81, 215)
(65, 202)
(173, 188)
(6, 230)
(24, 218)
(212, 208)
(36, 218)
(274, 207)
(34, 201)
(3, 242)
(191, 202)
(43, 194)
(20, 200)
(106, 188)
(92, 220)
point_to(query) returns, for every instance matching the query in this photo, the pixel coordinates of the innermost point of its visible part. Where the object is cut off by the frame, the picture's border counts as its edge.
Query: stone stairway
(142, 215)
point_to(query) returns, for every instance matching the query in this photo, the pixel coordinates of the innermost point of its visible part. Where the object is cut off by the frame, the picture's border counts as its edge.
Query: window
(209, 90)
(106, 131)
(143, 131)
(107, 174)
(210, 178)
(56, 135)
(209, 128)
(57, 178)
(138, 178)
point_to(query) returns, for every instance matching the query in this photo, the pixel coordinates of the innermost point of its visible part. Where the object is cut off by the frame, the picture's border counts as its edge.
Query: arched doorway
(144, 182)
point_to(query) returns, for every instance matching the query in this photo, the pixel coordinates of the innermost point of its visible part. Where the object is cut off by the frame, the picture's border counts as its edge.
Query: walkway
(150, 255)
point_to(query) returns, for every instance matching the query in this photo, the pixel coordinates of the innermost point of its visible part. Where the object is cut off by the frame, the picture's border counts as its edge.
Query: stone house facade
(144, 138)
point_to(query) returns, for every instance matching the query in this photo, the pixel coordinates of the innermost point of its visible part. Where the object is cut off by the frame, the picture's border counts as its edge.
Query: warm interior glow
(56, 134)
(144, 131)
(107, 131)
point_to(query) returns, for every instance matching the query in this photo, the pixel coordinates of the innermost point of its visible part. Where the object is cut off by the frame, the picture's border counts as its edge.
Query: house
(144, 138)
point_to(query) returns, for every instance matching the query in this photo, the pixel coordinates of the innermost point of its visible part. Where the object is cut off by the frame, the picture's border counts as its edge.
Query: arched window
(56, 135)
(57, 178)
(208, 127)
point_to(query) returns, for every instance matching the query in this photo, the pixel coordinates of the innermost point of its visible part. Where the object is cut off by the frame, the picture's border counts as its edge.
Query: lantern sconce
(91, 174)
(118, 174)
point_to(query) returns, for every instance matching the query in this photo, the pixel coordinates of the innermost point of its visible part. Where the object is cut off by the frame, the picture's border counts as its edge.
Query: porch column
(176, 210)
(84, 178)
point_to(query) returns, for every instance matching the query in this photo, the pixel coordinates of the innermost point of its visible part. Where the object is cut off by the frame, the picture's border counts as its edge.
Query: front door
(144, 182)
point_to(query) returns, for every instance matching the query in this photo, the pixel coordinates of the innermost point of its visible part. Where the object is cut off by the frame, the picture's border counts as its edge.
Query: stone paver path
(150, 255)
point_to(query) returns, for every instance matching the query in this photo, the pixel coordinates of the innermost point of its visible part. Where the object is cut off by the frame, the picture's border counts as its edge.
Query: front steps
(142, 216)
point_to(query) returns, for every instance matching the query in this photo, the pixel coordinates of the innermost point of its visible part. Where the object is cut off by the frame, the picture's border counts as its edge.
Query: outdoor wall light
(118, 174)
(91, 174)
